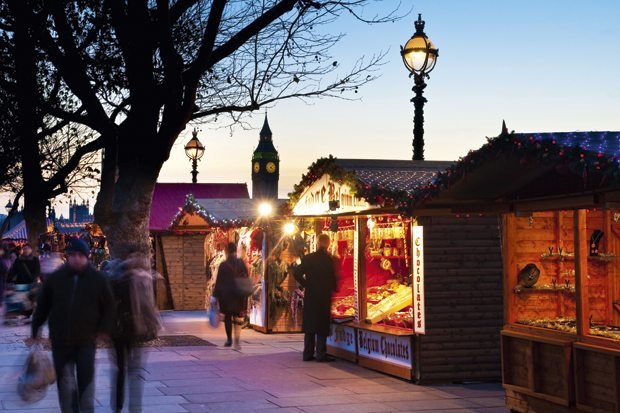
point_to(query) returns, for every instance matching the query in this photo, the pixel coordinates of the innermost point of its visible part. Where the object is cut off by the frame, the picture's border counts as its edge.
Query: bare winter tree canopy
(137, 71)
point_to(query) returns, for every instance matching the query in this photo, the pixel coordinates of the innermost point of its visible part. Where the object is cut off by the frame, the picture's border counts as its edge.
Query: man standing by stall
(317, 275)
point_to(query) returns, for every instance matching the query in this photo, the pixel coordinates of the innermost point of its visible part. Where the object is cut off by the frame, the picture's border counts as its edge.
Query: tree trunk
(28, 121)
(125, 223)
(36, 222)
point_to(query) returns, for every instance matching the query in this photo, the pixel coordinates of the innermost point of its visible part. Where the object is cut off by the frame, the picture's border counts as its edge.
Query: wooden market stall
(559, 197)
(179, 257)
(419, 297)
(193, 248)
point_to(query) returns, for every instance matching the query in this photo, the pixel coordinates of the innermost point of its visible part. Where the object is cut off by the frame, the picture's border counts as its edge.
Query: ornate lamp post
(194, 151)
(8, 206)
(419, 56)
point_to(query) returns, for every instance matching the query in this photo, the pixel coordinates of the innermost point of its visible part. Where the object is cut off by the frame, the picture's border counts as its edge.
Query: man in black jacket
(77, 302)
(317, 275)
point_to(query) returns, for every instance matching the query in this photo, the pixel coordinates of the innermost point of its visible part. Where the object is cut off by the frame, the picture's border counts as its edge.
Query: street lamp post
(419, 56)
(194, 151)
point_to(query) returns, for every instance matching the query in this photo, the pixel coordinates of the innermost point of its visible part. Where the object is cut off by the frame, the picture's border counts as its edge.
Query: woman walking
(232, 301)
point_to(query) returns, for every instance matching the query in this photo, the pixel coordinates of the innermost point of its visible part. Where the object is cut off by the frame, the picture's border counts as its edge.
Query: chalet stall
(559, 195)
(181, 259)
(419, 297)
(193, 249)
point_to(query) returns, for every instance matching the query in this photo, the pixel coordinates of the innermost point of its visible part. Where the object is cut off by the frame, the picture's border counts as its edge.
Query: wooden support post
(265, 250)
(611, 268)
(509, 236)
(581, 272)
(559, 276)
(359, 269)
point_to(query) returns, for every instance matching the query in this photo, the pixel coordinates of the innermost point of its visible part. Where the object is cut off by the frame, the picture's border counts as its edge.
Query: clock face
(271, 167)
(256, 167)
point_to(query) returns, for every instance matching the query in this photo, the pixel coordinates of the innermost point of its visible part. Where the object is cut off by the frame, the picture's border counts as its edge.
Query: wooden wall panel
(464, 299)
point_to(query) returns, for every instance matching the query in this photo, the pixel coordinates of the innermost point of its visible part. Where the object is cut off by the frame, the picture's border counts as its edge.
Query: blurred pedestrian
(77, 302)
(137, 321)
(232, 302)
(317, 275)
(24, 276)
(26, 268)
(5, 264)
(50, 260)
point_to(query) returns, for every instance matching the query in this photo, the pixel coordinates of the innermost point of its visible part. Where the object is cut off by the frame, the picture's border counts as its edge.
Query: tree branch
(201, 63)
(179, 8)
(60, 176)
(250, 30)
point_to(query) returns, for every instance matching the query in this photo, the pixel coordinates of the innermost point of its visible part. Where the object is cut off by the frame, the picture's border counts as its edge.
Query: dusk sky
(541, 65)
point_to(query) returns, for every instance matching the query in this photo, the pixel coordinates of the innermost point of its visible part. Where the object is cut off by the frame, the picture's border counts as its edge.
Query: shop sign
(326, 196)
(385, 347)
(342, 337)
(419, 325)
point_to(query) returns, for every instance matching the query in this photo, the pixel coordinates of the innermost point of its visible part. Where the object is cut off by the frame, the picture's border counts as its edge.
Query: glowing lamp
(290, 228)
(265, 209)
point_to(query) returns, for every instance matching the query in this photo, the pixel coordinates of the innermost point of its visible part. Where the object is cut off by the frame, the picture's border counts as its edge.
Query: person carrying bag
(232, 288)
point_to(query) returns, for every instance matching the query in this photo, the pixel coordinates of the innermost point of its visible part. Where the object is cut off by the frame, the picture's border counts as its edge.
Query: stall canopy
(345, 186)
(19, 232)
(169, 197)
(521, 172)
(221, 212)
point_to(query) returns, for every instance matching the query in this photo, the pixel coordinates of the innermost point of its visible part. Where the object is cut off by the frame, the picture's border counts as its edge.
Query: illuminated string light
(193, 207)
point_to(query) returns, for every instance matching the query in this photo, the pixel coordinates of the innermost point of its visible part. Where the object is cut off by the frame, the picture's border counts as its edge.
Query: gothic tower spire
(265, 166)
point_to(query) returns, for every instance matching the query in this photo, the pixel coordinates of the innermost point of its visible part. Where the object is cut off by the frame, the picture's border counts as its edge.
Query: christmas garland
(530, 149)
(193, 207)
(319, 168)
(373, 194)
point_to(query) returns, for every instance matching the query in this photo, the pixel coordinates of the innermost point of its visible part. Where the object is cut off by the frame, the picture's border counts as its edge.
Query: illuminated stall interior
(559, 195)
(418, 297)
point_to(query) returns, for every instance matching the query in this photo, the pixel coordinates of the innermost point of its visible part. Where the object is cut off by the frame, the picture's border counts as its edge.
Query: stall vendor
(317, 275)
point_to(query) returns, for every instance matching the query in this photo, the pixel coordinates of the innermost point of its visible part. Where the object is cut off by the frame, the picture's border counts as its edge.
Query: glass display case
(387, 271)
(341, 247)
(544, 274)
(544, 283)
(388, 274)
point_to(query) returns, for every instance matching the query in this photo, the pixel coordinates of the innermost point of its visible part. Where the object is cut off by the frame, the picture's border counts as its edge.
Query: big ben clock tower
(265, 166)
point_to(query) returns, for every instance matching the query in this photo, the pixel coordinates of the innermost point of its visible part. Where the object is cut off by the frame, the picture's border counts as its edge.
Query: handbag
(243, 285)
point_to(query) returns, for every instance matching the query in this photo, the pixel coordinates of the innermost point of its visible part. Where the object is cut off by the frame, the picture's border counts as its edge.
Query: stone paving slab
(266, 375)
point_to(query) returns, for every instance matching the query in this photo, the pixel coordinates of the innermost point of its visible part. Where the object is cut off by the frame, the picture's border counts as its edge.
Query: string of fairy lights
(193, 207)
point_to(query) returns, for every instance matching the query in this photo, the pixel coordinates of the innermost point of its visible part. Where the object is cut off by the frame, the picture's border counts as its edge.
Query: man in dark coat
(317, 275)
(26, 269)
(77, 302)
(232, 304)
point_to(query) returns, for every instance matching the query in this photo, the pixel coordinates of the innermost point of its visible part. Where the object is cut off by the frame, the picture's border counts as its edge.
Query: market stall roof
(19, 232)
(394, 175)
(220, 212)
(530, 171)
(169, 197)
(377, 182)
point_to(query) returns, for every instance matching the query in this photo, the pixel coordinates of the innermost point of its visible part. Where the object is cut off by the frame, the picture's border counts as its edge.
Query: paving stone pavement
(267, 374)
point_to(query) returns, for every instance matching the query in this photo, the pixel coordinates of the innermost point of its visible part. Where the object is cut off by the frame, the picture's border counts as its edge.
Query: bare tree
(142, 69)
(43, 156)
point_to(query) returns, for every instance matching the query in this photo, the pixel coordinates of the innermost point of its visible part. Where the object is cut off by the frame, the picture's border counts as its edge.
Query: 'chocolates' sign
(384, 347)
(342, 337)
(417, 235)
